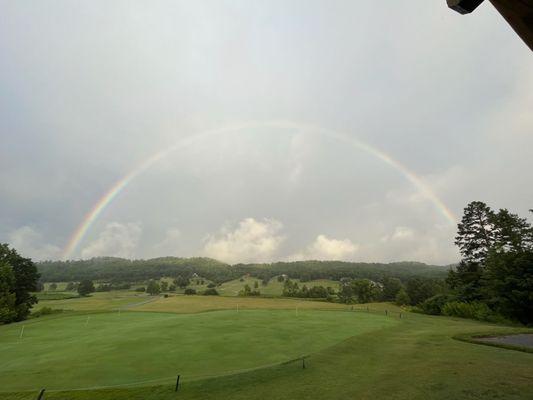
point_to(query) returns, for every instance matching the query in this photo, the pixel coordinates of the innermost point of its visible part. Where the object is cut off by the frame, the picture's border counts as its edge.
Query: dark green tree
(8, 299)
(153, 288)
(391, 287)
(86, 287)
(164, 286)
(402, 298)
(476, 232)
(512, 233)
(181, 282)
(419, 289)
(346, 293)
(365, 290)
(25, 281)
(53, 286)
(508, 284)
(465, 280)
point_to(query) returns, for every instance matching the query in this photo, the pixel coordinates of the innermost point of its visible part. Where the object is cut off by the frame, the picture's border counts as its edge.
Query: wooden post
(400, 315)
(41, 394)
(386, 312)
(303, 362)
(177, 383)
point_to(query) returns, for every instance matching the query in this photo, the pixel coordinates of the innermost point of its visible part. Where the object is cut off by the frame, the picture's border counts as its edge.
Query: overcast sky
(89, 90)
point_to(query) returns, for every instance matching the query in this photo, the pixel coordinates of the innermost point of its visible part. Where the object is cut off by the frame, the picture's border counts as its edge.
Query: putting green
(114, 349)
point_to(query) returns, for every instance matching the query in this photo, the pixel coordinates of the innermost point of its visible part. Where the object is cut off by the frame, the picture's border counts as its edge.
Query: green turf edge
(473, 338)
(141, 391)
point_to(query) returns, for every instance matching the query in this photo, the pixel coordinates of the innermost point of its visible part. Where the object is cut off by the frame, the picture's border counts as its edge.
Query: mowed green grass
(80, 351)
(381, 357)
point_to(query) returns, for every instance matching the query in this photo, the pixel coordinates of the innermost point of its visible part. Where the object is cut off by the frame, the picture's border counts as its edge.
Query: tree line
(110, 269)
(495, 275)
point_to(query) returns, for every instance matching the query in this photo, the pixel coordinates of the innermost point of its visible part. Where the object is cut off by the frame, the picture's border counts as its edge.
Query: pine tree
(512, 233)
(476, 232)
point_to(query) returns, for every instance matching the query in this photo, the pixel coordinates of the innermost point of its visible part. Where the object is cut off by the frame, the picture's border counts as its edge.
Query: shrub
(85, 287)
(141, 289)
(153, 288)
(210, 292)
(189, 291)
(402, 298)
(473, 310)
(211, 285)
(434, 305)
(45, 311)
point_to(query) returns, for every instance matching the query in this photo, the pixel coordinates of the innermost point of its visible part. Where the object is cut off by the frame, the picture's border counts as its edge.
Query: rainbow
(81, 231)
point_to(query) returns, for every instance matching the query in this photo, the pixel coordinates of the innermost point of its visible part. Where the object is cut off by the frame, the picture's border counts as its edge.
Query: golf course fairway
(108, 349)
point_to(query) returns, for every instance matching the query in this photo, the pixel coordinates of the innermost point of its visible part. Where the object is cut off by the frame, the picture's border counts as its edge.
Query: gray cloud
(91, 90)
(116, 240)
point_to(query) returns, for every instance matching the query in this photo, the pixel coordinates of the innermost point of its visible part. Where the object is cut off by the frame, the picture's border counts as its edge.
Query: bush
(153, 288)
(141, 289)
(190, 291)
(402, 298)
(45, 311)
(211, 285)
(434, 305)
(210, 292)
(85, 287)
(473, 310)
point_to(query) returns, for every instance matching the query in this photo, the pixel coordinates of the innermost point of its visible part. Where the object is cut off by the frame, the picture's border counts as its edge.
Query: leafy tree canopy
(18, 278)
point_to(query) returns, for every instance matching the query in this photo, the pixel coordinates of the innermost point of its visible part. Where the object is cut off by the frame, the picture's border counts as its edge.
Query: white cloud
(170, 243)
(324, 248)
(402, 233)
(409, 244)
(29, 243)
(251, 241)
(116, 240)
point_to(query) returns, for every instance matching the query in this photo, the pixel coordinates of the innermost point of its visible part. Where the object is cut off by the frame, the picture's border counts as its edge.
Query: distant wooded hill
(123, 270)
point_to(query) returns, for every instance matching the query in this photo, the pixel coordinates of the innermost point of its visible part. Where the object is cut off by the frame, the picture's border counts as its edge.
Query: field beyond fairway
(194, 304)
(112, 349)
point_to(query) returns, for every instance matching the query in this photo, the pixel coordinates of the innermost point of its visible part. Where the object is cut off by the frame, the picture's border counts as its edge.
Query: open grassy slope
(274, 288)
(355, 355)
(100, 301)
(113, 348)
(193, 304)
